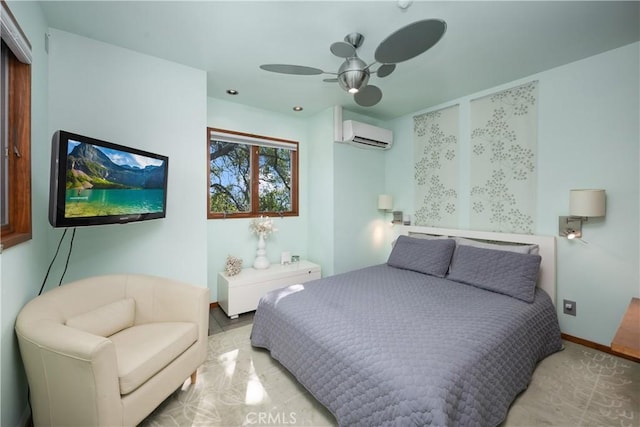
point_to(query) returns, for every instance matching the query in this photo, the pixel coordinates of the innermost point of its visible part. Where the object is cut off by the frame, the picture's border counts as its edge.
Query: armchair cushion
(144, 350)
(107, 319)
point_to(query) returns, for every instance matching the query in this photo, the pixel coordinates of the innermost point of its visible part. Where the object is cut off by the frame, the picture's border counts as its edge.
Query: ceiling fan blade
(385, 70)
(343, 49)
(292, 69)
(330, 80)
(368, 96)
(410, 41)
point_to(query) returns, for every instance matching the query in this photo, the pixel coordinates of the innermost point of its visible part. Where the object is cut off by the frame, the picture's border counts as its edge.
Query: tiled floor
(219, 322)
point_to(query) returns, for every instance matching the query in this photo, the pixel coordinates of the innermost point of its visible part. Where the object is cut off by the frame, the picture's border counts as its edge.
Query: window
(251, 175)
(4, 158)
(15, 138)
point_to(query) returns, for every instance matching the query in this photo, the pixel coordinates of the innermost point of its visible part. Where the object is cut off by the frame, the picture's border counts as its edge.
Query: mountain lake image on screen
(102, 181)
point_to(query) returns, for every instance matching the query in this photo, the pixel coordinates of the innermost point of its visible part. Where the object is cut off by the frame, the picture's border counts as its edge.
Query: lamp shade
(587, 203)
(385, 202)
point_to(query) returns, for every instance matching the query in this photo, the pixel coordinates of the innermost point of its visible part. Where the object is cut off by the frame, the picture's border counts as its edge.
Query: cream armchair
(107, 350)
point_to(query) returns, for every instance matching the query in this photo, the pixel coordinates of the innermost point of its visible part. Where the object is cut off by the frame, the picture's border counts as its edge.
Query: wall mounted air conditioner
(366, 136)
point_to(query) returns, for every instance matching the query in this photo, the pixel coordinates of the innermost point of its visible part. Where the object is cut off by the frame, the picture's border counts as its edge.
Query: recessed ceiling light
(297, 108)
(232, 92)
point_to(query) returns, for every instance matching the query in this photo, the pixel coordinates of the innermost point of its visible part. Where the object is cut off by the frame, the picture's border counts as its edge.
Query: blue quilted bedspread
(387, 346)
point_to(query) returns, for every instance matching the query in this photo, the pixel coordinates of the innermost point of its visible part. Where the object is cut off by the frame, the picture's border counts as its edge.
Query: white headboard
(546, 244)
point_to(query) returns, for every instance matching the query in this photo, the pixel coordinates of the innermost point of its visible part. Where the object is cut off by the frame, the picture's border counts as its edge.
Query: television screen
(96, 182)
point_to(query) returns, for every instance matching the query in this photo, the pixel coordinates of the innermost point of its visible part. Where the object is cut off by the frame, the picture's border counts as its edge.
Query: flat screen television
(96, 182)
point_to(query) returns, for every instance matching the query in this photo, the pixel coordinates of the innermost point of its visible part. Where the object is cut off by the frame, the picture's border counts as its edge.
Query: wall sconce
(385, 202)
(583, 204)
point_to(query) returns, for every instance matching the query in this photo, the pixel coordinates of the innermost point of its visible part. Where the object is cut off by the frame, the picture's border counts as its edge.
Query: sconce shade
(587, 203)
(385, 202)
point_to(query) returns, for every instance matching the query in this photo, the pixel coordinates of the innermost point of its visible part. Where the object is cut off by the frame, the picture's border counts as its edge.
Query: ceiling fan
(353, 75)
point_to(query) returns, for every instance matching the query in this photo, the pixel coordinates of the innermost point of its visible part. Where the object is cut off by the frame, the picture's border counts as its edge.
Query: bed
(447, 332)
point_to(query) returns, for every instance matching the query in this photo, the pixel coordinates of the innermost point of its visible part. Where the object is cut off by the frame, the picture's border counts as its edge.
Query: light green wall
(232, 236)
(359, 228)
(359, 178)
(321, 203)
(124, 97)
(346, 231)
(121, 96)
(592, 118)
(23, 266)
(588, 137)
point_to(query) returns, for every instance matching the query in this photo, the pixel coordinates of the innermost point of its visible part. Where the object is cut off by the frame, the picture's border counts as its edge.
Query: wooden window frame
(18, 228)
(255, 202)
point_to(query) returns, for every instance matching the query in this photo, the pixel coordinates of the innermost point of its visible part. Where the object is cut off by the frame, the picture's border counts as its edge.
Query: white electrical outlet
(569, 307)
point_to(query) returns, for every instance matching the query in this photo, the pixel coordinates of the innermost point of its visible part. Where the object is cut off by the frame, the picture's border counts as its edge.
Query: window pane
(4, 124)
(274, 180)
(229, 177)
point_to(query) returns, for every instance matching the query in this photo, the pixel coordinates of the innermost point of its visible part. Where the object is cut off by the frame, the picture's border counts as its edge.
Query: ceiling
(486, 43)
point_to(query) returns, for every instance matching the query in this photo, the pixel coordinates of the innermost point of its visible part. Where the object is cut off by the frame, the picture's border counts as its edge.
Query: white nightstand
(242, 292)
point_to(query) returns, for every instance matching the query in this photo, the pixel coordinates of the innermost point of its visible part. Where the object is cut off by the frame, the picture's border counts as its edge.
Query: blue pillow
(422, 255)
(508, 273)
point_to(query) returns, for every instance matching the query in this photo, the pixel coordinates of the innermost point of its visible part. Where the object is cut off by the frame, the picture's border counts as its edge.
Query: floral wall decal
(436, 167)
(503, 171)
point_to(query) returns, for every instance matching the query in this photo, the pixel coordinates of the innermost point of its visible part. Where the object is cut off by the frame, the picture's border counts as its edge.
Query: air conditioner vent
(371, 142)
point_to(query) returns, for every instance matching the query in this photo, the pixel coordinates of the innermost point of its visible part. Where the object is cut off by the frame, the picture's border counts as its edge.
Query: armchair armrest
(58, 338)
(175, 301)
(81, 381)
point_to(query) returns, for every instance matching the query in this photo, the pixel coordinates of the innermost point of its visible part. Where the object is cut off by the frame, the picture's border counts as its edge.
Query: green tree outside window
(251, 176)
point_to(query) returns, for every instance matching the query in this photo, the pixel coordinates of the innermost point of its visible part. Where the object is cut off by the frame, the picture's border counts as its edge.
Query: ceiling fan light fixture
(353, 81)
(353, 75)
